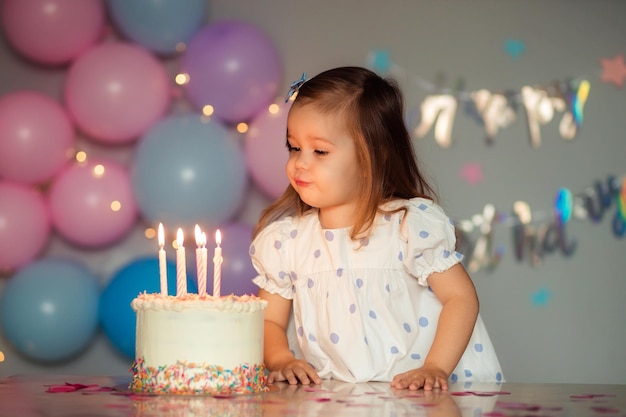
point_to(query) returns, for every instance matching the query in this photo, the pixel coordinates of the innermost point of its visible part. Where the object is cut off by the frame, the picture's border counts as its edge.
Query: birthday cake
(198, 344)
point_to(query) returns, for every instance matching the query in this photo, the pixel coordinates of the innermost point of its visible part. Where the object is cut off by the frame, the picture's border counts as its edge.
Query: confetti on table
(479, 393)
(67, 387)
(523, 406)
(589, 396)
(608, 410)
(314, 389)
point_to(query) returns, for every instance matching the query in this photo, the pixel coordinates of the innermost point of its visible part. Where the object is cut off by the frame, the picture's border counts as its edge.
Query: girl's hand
(293, 372)
(427, 377)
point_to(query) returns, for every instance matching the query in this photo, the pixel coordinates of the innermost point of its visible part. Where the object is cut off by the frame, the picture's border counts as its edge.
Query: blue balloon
(117, 318)
(49, 309)
(158, 25)
(188, 170)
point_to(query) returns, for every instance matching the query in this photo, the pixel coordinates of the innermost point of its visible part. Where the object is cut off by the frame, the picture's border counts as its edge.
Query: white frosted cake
(198, 344)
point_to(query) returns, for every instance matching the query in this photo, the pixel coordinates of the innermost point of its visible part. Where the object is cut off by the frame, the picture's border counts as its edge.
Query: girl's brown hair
(373, 109)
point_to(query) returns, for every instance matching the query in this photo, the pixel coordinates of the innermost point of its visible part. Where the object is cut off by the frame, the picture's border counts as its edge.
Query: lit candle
(217, 265)
(181, 265)
(162, 261)
(201, 260)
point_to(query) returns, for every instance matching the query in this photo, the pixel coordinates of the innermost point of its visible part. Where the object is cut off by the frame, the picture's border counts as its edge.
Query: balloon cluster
(188, 167)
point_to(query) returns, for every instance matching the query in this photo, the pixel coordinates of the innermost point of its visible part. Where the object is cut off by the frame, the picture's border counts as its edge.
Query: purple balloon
(233, 67)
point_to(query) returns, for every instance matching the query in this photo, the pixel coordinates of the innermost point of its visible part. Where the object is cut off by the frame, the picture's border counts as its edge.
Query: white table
(27, 396)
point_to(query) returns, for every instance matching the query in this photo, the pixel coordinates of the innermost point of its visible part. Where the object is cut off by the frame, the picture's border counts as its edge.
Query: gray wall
(578, 333)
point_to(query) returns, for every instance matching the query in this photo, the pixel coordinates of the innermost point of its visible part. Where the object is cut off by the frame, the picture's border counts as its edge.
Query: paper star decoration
(379, 60)
(541, 297)
(613, 70)
(472, 173)
(514, 47)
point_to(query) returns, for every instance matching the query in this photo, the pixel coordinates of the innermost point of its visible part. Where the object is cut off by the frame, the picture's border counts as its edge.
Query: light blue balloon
(158, 25)
(49, 309)
(117, 318)
(189, 170)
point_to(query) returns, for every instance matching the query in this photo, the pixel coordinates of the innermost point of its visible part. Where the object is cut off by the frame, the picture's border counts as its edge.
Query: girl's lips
(301, 183)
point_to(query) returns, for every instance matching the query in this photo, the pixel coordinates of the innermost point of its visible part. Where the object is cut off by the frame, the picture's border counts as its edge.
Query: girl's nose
(301, 161)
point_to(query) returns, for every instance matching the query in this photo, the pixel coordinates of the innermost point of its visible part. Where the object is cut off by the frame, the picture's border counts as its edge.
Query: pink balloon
(265, 150)
(36, 137)
(116, 91)
(92, 204)
(24, 224)
(52, 31)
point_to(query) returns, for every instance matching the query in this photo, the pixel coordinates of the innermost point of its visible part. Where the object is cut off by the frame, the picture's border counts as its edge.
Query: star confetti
(472, 173)
(514, 47)
(67, 387)
(613, 70)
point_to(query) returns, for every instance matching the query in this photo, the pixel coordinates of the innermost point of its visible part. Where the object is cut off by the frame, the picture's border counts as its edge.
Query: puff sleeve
(267, 253)
(430, 240)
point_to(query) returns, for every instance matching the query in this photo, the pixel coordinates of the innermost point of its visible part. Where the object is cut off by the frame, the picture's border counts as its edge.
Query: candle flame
(198, 236)
(203, 239)
(161, 236)
(180, 239)
(218, 237)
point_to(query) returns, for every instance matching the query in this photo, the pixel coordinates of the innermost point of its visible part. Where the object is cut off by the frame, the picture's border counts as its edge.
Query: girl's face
(322, 165)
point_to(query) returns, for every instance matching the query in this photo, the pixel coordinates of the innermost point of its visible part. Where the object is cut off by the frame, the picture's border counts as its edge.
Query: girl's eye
(292, 148)
(320, 152)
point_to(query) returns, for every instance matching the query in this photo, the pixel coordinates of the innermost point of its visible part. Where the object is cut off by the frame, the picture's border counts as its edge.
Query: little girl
(359, 252)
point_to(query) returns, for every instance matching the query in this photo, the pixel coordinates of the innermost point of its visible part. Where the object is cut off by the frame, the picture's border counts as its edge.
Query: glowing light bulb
(242, 127)
(208, 110)
(150, 233)
(98, 170)
(81, 156)
(181, 78)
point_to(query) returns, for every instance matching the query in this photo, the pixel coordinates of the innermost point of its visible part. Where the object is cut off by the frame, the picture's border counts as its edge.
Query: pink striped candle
(217, 265)
(181, 265)
(201, 260)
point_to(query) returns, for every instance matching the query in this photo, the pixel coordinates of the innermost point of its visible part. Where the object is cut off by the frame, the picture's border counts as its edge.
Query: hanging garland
(494, 110)
(533, 239)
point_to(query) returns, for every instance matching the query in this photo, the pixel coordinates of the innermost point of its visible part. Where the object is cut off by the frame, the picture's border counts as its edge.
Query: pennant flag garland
(536, 234)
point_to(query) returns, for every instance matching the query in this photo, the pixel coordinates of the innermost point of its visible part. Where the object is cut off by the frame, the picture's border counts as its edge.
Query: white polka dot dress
(363, 311)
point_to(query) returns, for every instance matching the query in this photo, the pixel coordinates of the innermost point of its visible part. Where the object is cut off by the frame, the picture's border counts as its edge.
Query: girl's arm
(279, 360)
(455, 290)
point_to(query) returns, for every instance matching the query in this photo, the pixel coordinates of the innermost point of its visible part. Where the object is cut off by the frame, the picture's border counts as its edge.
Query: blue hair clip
(295, 86)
